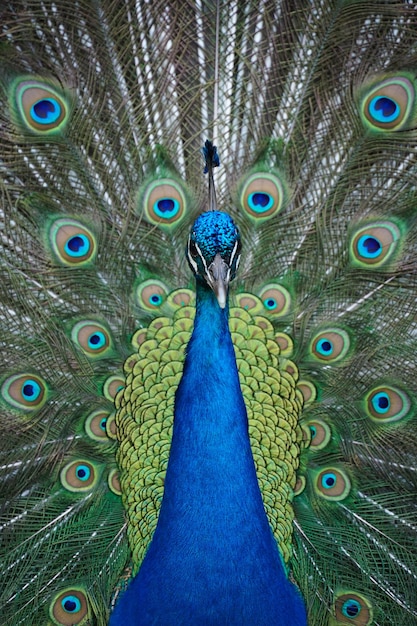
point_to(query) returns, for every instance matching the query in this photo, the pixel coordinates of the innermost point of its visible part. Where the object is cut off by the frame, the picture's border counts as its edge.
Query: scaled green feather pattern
(145, 408)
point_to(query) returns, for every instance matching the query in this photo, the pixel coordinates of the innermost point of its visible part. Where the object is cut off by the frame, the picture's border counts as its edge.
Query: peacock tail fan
(104, 109)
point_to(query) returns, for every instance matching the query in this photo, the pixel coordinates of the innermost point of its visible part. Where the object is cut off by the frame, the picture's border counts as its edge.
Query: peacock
(208, 312)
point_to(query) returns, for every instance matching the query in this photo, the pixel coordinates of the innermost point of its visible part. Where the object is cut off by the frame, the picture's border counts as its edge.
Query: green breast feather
(145, 406)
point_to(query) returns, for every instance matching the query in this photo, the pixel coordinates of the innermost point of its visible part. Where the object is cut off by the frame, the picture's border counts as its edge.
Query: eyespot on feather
(25, 391)
(163, 202)
(151, 294)
(70, 607)
(95, 425)
(300, 485)
(387, 404)
(262, 196)
(93, 338)
(330, 345)
(352, 608)
(320, 434)
(276, 300)
(114, 482)
(374, 244)
(112, 386)
(388, 104)
(42, 107)
(111, 427)
(78, 476)
(332, 484)
(72, 243)
(308, 391)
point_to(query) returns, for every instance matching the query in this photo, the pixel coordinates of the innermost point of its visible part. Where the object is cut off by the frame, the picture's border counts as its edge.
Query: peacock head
(213, 252)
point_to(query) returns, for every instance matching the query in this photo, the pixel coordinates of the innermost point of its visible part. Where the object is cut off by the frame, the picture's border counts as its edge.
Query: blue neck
(213, 559)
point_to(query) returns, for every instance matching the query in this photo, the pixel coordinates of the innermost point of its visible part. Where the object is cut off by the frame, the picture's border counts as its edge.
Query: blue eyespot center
(45, 111)
(83, 472)
(103, 423)
(369, 247)
(270, 303)
(71, 604)
(156, 299)
(381, 402)
(166, 207)
(77, 246)
(384, 109)
(97, 340)
(351, 608)
(166, 204)
(324, 346)
(31, 390)
(328, 480)
(313, 431)
(260, 201)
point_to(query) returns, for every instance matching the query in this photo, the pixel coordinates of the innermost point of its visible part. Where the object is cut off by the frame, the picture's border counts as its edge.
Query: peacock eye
(387, 404)
(151, 294)
(93, 338)
(163, 202)
(330, 345)
(388, 105)
(69, 607)
(113, 482)
(111, 388)
(276, 299)
(43, 108)
(79, 476)
(193, 248)
(25, 391)
(262, 196)
(333, 484)
(375, 244)
(353, 607)
(72, 243)
(95, 425)
(320, 435)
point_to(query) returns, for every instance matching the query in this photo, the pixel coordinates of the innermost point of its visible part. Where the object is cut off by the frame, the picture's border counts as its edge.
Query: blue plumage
(215, 232)
(213, 558)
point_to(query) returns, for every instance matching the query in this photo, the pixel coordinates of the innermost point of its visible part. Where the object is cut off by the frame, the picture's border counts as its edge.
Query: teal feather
(104, 109)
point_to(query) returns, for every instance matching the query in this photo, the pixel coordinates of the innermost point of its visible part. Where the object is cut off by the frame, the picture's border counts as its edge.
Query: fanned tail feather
(314, 112)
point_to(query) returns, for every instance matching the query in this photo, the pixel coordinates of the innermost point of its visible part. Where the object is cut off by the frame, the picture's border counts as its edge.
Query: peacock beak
(218, 278)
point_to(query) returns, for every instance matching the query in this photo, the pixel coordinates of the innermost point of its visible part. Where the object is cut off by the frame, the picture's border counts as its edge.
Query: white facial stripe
(190, 258)
(207, 274)
(232, 256)
(193, 262)
(202, 259)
